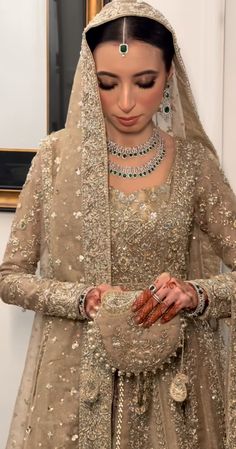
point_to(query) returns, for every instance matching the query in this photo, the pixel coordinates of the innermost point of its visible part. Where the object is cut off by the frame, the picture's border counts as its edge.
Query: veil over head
(88, 148)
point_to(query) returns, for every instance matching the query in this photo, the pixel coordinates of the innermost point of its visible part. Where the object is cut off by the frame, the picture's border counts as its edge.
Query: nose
(126, 100)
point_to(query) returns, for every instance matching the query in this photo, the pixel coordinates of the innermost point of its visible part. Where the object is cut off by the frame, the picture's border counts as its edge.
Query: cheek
(107, 101)
(152, 99)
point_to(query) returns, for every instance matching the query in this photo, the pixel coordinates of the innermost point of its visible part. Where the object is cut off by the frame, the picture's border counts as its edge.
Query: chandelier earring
(165, 107)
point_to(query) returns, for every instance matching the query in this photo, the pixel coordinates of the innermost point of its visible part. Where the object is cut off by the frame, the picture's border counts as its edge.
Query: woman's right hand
(93, 298)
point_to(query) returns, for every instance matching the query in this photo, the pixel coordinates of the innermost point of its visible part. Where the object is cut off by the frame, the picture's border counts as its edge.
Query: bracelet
(202, 300)
(81, 303)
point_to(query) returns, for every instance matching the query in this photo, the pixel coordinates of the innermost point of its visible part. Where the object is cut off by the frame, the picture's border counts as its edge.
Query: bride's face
(131, 86)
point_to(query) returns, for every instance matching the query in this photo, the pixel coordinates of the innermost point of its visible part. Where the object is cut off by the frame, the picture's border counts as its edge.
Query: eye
(104, 86)
(146, 85)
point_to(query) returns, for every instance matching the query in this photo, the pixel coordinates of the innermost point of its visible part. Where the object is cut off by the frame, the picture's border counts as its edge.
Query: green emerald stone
(123, 49)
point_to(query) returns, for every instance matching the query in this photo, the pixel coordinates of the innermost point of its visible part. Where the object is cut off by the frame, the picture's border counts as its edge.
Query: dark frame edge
(9, 197)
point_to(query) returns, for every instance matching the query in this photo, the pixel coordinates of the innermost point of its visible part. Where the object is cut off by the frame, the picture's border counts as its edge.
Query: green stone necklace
(141, 171)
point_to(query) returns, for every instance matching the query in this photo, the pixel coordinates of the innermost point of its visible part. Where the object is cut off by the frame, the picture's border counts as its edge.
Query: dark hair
(138, 28)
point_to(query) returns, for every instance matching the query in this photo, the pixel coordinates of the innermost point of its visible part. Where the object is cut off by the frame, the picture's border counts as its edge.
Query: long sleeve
(215, 213)
(19, 284)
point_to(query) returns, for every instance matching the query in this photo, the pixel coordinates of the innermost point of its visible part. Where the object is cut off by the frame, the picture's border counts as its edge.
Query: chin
(135, 129)
(139, 127)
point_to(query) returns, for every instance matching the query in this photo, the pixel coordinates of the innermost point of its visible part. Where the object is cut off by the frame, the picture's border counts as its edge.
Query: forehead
(141, 56)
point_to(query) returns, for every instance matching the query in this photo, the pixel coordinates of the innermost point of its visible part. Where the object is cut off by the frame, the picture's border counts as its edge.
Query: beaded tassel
(121, 388)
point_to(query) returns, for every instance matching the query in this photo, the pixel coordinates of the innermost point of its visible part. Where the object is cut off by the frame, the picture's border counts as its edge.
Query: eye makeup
(146, 84)
(143, 84)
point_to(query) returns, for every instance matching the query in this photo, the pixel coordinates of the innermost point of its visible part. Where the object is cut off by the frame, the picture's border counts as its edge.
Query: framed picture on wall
(66, 21)
(14, 166)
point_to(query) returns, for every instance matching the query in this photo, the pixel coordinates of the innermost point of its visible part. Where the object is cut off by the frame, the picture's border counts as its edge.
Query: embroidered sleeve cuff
(48, 296)
(64, 301)
(220, 291)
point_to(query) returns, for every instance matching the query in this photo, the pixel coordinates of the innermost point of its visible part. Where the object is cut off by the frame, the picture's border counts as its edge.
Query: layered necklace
(155, 141)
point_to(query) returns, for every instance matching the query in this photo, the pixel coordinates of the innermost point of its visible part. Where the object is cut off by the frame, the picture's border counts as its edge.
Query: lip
(128, 121)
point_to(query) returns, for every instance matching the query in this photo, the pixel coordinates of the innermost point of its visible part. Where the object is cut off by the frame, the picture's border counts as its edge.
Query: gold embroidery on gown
(153, 420)
(63, 220)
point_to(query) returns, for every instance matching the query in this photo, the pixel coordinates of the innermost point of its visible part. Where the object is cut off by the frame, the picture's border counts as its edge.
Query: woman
(109, 382)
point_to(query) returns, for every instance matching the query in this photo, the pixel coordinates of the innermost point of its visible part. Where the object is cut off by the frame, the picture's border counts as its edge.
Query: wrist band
(202, 301)
(81, 302)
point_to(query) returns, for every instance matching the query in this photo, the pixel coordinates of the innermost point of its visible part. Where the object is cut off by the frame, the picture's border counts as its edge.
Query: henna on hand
(141, 300)
(174, 294)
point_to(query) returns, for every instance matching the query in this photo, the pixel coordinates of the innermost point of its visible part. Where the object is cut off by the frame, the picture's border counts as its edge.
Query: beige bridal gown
(85, 233)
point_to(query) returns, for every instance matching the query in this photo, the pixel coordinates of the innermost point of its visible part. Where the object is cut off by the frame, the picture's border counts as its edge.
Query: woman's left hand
(173, 295)
(94, 298)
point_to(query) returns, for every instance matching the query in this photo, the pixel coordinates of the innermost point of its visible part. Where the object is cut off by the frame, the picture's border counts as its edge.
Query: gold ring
(157, 298)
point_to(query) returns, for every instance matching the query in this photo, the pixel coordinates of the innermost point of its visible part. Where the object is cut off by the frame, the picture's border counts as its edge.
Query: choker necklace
(140, 150)
(143, 170)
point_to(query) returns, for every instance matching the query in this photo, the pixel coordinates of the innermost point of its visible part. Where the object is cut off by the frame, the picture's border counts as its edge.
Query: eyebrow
(144, 72)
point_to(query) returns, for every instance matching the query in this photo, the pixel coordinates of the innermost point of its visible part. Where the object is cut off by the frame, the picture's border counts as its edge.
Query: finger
(117, 289)
(180, 296)
(174, 302)
(92, 303)
(144, 311)
(171, 312)
(141, 300)
(153, 302)
(94, 293)
(92, 312)
(92, 315)
(168, 300)
(111, 290)
(154, 315)
(171, 284)
(89, 308)
(162, 279)
(103, 288)
(95, 298)
(171, 297)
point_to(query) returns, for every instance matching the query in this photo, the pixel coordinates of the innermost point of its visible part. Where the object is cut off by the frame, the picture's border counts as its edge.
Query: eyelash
(146, 85)
(106, 87)
(142, 86)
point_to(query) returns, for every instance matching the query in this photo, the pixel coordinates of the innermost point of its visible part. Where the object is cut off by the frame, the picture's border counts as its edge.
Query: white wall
(200, 27)
(23, 69)
(23, 117)
(15, 327)
(229, 134)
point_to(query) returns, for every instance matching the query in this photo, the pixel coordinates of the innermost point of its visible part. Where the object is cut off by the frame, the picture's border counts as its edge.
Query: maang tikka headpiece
(123, 47)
